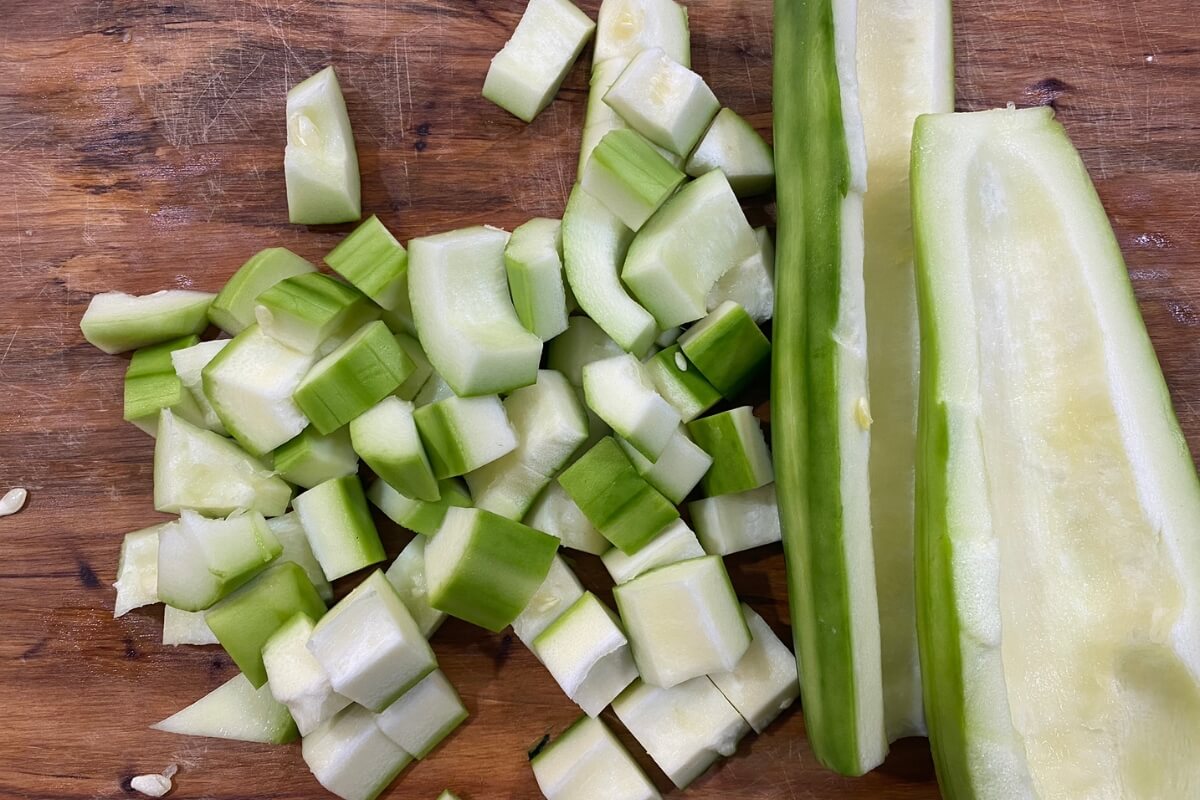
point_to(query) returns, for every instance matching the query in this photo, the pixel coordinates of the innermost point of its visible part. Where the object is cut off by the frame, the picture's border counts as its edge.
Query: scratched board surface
(141, 148)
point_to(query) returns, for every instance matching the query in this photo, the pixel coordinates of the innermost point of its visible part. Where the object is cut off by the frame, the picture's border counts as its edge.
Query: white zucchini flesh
(338, 525)
(1059, 579)
(189, 363)
(423, 716)
(600, 119)
(234, 710)
(311, 459)
(386, 438)
(137, 570)
(464, 315)
(201, 560)
(685, 729)
(555, 513)
(533, 261)
(622, 395)
(296, 549)
(751, 284)
(579, 345)
(586, 762)
(663, 100)
(558, 592)
(417, 515)
(733, 146)
(587, 653)
(186, 627)
(678, 468)
(116, 322)
(625, 28)
(320, 163)
(296, 679)
(764, 683)
(731, 523)
(676, 543)
(407, 576)
(462, 434)
(350, 756)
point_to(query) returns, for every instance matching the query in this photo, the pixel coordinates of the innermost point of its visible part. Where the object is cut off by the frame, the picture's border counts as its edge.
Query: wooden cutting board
(141, 148)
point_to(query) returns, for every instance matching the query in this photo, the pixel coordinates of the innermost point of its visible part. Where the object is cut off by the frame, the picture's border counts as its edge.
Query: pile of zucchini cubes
(570, 384)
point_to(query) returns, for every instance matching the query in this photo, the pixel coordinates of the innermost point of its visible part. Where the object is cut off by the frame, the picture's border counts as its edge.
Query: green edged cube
(731, 523)
(201, 560)
(312, 458)
(386, 437)
(423, 716)
(116, 322)
(533, 263)
(587, 752)
(676, 543)
(233, 309)
(417, 515)
(305, 310)
(462, 434)
(586, 651)
(407, 577)
(733, 146)
(295, 677)
(680, 383)
(350, 756)
(727, 347)
(338, 523)
(374, 262)
(740, 458)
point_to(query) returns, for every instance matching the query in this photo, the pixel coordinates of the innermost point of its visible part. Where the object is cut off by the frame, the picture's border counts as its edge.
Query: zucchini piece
(465, 318)
(764, 682)
(732, 523)
(233, 309)
(295, 677)
(733, 146)
(533, 263)
(677, 470)
(587, 653)
(586, 762)
(116, 322)
(528, 71)
(189, 364)
(234, 710)
(595, 243)
(550, 425)
(432, 391)
(245, 620)
(359, 373)
(186, 627)
(350, 756)
(422, 369)
(685, 729)
(679, 255)
(250, 385)
(628, 175)
(555, 513)
(1057, 503)
(201, 560)
(558, 592)
(683, 621)
(386, 437)
(423, 716)
(320, 164)
(579, 345)
(152, 385)
(339, 526)
(407, 577)
(306, 310)
(621, 394)
(137, 570)
(676, 543)
(599, 119)
(680, 383)
(197, 469)
(462, 434)
(727, 347)
(370, 646)
(483, 568)
(627, 510)
(296, 549)
(374, 263)
(625, 28)
(663, 100)
(311, 458)
(751, 284)
(740, 459)
(417, 515)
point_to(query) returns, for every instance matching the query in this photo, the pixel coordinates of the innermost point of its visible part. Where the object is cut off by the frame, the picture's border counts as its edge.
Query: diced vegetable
(464, 315)
(555, 513)
(462, 434)
(234, 710)
(152, 385)
(116, 322)
(374, 262)
(305, 310)
(250, 385)
(417, 515)
(586, 762)
(533, 263)
(685, 729)
(727, 347)
(296, 549)
(679, 255)
(751, 284)
(189, 364)
(683, 621)
(740, 459)
(386, 437)
(350, 756)
(663, 100)
(680, 383)
(407, 577)
(624, 28)
(137, 570)
(587, 653)
(619, 391)
(245, 620)
(526, 74)
(295, 677)
(579, 345)
(370, 646)
(676, 543)
(363, 370)
(422, 369)
(558, 592)
(186, 627)
(732, 523)
(627, 510)
(677, 469)
(311, 458)
(400, 319)
(233, 309)
(733, 146)
(764, 682)
(339, 526)
(201, 560)
(320, 164)
(197, 469)
(627, 174)
(423, 716)
(484, 568)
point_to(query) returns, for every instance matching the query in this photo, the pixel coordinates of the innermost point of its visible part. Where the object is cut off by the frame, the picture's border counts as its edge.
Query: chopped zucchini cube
(295, 677)
(116, 322)
(680, 383)
(621, 394)
(630, 176)
(558, 592)
(586, 762)
(137, 570)
(579, 345)
(740, 459)
(676, 543)
(765, 681)
(533, 262)
(423, 716)
(751, 284)
(663, 100)
(731, 523)
(320, 164)
(462, 434)
(386, 437)
(350, 756)
(296, 549)
(587, 653)
(305, 310)
(201, 560)
(310, 458)
(625, 28)
(338, 523)
(733, 146)
(186, 627)
(555, 513)
(417, 515)
(374, 263)
(407, 577)
(677, 470)
(189, 364)
(152, 385)
(235, 710)
(727, 347)
(233, 309)
(422, 369)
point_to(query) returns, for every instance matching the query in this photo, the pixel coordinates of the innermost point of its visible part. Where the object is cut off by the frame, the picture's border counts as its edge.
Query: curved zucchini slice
(1059, 574)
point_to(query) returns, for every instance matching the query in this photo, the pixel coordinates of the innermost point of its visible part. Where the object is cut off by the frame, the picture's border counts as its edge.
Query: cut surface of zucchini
(296, 549)
(462, 434)
(740, 459)
(751, 284)
(234, 710)
(201, 560)
(528, 71)
(728, 348)
(586, 762)
(350, 756)
(677, 542)
(407, 577)
(339, 526)
(764, 682)
(533, 263)
(731, 523)
(116, 322)
(464, 315)
(233, 309)
(386, 437)
(186, 627)
(305, 310)
(311, 458)
(189, 364)
(579, 345)
(423, 716)
(680, 383)
(374, 263)
(587, 653)
(628, 175)
(625, 28)
(677, 470)
(558, 592)
(733, 146)
(417, 515)
(622, 395)
(663, 100)
(558, 515)
(152, 385)
(320, 164)
(137, 570)
(295, 677)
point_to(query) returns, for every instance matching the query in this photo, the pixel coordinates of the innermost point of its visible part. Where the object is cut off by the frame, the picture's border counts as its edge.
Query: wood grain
(140, 148)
